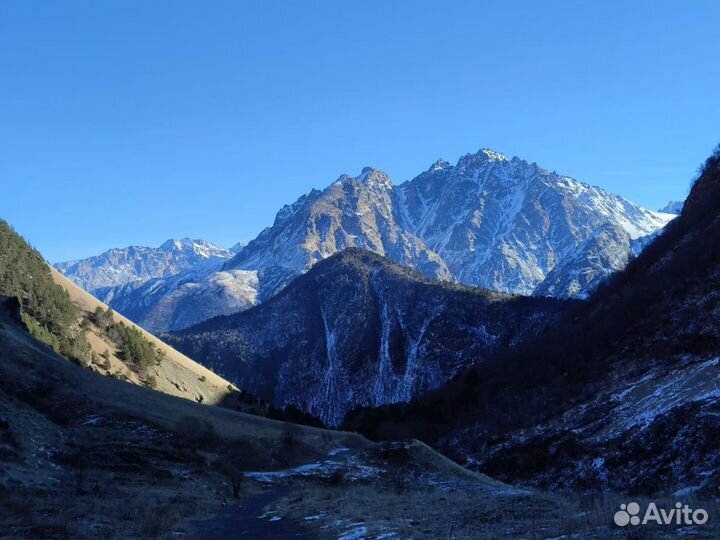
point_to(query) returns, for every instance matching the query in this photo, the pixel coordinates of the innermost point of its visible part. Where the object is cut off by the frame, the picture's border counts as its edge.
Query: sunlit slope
(177, 375)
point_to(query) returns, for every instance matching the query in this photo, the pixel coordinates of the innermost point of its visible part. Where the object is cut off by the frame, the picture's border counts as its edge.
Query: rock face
(353, 212)
(608, 249)
(488, 221)
(11, 310)
(360, 330)
(138, 263)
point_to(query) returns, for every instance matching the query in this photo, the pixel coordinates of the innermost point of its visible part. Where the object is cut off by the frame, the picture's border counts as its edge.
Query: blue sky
(128, 122)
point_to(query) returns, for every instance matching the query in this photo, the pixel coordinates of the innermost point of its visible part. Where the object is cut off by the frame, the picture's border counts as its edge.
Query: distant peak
(492, 154)
(369, 176)
(439, 165)
(201, 247)
(481, 157)
(179, 243)
(673, 207)
(172, 243)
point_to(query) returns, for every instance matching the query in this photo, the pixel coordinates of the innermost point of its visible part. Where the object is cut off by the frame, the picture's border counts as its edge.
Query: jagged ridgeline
(52, 317)
(46, 307)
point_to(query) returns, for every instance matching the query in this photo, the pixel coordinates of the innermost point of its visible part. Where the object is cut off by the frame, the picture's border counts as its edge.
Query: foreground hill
(624, 396)
(357, 330)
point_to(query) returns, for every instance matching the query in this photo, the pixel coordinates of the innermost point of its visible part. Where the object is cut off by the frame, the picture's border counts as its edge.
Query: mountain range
(488, 221)
(137, 264)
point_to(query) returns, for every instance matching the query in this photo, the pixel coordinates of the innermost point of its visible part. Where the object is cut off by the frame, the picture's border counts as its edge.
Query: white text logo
(681, 514)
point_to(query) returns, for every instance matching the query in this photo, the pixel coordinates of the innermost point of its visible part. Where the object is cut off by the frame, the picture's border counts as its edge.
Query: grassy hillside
(167, 370)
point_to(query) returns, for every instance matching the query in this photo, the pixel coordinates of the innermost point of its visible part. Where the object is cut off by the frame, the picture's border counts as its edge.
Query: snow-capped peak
(439, 165)
(673, 207)
(201, 248)
(375, 177)
(492, 154)
(119, 266)
(490, 221)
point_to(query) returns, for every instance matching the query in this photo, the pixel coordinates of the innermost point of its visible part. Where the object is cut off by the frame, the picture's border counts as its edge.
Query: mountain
(673, 207)
(488, 221)
(138, 264)
(508, 225)
(357, 329)
(184, 299)
(621, 395)
(353, 212)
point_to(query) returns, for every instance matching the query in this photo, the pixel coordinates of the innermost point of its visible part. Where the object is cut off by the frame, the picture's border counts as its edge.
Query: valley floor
(148, 486)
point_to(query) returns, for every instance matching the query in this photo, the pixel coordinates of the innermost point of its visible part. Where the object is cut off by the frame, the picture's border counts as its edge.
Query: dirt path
(246, 521)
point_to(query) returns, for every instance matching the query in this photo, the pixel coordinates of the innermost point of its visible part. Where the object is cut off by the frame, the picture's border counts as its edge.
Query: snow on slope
(505, 224)
(121, 266)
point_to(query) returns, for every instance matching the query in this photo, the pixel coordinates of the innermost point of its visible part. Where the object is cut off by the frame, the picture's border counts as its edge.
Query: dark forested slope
(357, 330)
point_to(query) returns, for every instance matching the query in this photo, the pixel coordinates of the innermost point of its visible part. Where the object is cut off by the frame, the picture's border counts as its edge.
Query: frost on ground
(341, 460)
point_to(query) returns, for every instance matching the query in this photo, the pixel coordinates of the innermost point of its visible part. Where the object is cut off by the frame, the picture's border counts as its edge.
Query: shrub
(195, 433)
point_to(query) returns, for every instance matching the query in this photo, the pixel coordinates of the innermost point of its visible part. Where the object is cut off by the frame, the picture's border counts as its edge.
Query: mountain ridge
(360, 329)
(490, 221)
(120, 266)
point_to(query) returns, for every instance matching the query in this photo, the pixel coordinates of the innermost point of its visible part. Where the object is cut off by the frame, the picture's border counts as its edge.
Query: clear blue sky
(129, 122)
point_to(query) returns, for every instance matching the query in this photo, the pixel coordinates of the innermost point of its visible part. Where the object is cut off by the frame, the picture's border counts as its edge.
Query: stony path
(246, 521)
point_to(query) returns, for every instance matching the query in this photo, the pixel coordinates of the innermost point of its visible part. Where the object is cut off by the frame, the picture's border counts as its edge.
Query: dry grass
(178, 375)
